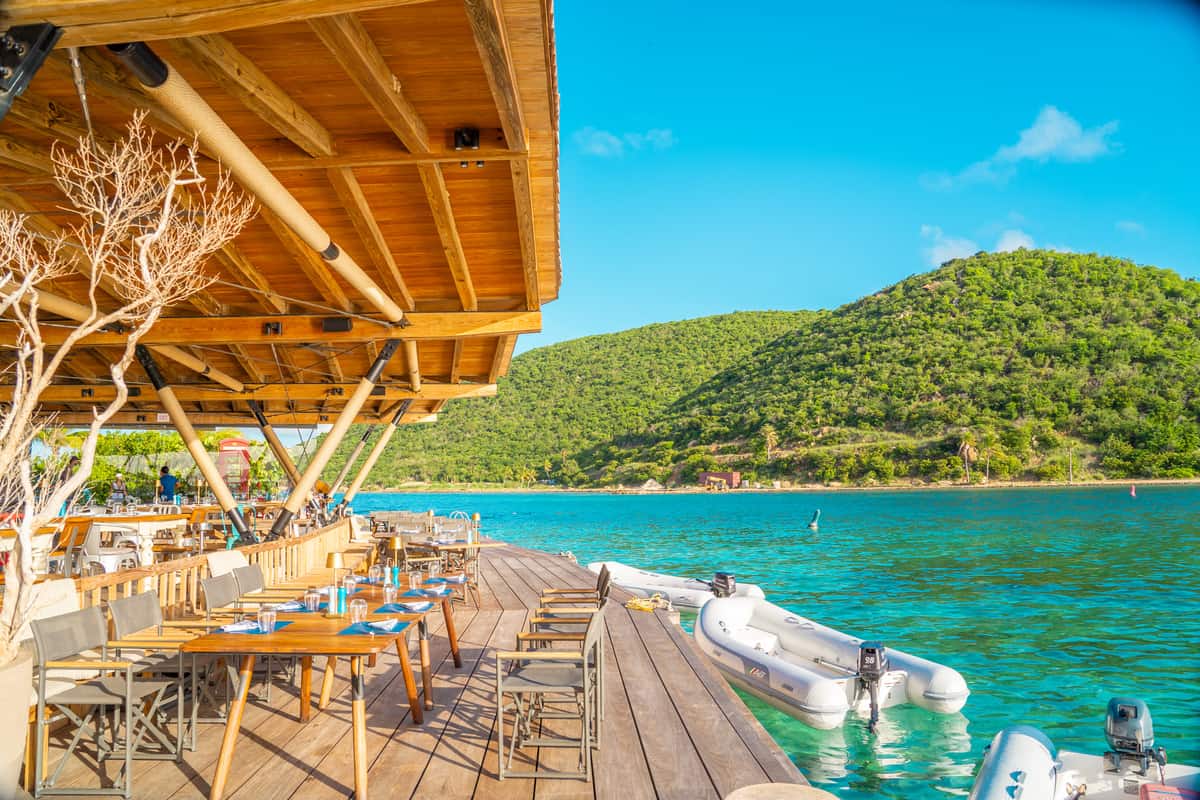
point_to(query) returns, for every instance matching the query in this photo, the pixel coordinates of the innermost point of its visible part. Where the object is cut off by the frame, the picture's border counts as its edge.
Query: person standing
(119, 492)
(166, 485)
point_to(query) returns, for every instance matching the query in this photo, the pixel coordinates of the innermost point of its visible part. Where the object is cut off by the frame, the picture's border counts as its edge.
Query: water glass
(312, 600)
(435, 569)
(266, 619)
(349, 583)
(375, 573)
(415, 578)
(389, 593)
(358, 611)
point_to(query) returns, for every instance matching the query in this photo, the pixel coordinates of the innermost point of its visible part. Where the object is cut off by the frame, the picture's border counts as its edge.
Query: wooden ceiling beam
(443, 217)
(350, 44)
(24, 156)
(220, 419)
(242, 271)
(242, 78)
(248, 363)
(526, 231)
(502, 357)
(35, 112)
(311, 263)
(491, 40)
(352, 47)
(350, 193)
(456, 361)
(301, 329)
(75, 393)
(98, 22)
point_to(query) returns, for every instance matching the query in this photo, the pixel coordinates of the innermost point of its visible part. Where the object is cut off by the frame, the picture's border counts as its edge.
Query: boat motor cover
(1128, 726)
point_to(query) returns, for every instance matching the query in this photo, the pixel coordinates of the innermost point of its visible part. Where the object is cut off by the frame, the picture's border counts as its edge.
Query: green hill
(1016, 365)
(569, 396)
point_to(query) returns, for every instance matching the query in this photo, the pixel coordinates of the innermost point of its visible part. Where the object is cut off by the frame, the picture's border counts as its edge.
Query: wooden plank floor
(672, 727)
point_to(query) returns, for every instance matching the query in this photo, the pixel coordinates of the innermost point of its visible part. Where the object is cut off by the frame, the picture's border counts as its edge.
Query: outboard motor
(724, 584)
(872, 666)
(1130, 733)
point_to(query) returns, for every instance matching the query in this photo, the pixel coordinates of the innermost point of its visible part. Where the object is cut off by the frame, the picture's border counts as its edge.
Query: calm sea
(1047, 601)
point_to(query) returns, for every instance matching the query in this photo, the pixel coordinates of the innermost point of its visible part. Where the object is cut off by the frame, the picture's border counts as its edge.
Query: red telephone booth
(233, 462)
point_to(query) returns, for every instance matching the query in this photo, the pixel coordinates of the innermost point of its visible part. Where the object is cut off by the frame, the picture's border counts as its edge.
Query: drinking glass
(312, 599)
(266, 619)
(415, 578)
(375, 573)
(349, 582)
(389, 593)
(435, 569)
(358, 611)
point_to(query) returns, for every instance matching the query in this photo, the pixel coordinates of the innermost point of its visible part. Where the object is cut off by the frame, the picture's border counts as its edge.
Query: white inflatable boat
(1021, 762)
(689, 593)
(816, 673)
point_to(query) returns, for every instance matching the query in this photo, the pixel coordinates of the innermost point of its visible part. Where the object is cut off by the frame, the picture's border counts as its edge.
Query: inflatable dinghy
(1021, 762)
(689, 593)
(816, 673)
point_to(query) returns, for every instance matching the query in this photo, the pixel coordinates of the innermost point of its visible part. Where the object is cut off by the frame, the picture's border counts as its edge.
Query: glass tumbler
(375, 573)
(266, 619)
(349, 583)
(389, 593)
(415, 578)
(358, 611)
(312, 600)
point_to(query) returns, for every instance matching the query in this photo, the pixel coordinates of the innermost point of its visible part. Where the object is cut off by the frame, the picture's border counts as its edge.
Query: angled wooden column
(358, 448)
(353, 405)
(277, 449)
(384, 437)
(180, 420)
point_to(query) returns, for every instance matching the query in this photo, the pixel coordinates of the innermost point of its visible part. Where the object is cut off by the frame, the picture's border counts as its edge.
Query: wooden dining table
(307, 635)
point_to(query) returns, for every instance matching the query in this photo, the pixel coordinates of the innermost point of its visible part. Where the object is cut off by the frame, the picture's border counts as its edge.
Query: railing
(177, 582)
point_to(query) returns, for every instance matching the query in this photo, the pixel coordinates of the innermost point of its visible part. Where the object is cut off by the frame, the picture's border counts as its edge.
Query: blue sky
(719, 158)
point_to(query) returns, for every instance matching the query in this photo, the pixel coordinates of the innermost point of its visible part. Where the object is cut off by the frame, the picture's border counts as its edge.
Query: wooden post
(353, 405)
(374, 455)
(179, 419)
(358, 448)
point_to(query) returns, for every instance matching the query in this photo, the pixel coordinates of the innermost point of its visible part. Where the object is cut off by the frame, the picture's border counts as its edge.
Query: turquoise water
(1047, 601)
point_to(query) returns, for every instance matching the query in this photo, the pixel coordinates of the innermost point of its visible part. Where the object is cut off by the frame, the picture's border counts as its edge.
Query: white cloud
(1014, 239)
(595, 142)
(1054, 136)
(1130, 226)
(1059, 248)
(606, 144)
(943, 248)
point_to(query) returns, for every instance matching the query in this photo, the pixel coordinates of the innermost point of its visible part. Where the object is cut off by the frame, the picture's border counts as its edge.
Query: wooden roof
(332, 96)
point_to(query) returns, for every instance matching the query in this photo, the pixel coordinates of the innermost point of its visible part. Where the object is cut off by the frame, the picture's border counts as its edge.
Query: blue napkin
(438, 593)
(370, 628)
(404, 608)
(247, 626)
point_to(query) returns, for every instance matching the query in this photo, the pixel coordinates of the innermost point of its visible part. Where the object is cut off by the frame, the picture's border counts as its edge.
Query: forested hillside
(563, 398)
(1017, 365)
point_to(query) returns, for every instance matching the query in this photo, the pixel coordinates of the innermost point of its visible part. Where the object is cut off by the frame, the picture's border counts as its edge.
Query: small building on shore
(720, 480)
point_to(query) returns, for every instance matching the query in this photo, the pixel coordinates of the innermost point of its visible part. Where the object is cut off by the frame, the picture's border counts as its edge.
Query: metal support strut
(277, 449)
(179, 419)
(353, 405)
(358, 448)
(373, 456)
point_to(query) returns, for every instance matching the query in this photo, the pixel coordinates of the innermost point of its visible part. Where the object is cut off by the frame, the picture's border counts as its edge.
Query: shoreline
(801, 489)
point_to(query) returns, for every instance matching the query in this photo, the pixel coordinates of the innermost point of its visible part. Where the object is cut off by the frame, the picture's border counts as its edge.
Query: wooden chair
(538, 685)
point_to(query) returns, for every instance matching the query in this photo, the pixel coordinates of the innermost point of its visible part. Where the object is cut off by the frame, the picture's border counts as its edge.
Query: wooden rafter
(351, 195)
(242, 78)
(270, 393)
(502, 357)
(103, 21)
(350, 44)
(19, 154)
(296, 329)
(246, 273)
(310, 262)
(443, 217)
(456, 361)
(248, 364)
(42, 114)
(523, 197)
(487, 27)
(201, 419)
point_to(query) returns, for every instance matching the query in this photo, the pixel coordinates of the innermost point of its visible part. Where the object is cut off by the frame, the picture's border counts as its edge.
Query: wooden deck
(672, 728)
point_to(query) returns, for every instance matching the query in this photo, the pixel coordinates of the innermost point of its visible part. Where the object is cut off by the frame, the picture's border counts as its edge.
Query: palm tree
(770, 439)
(967, 451)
